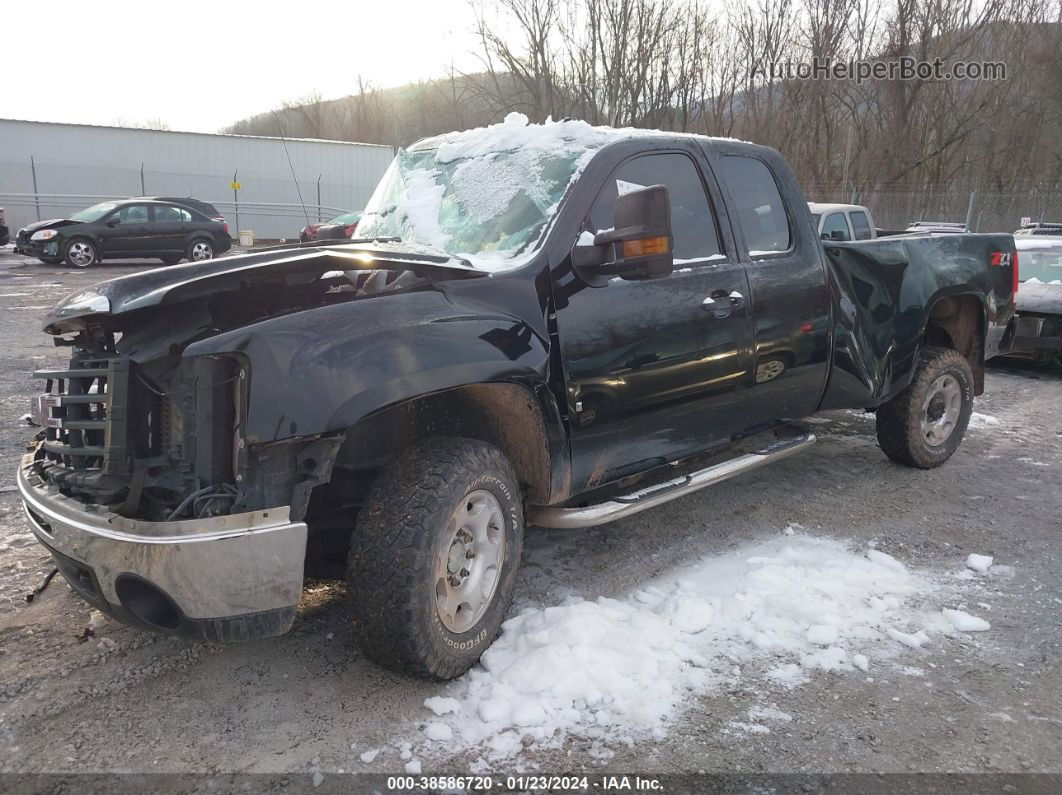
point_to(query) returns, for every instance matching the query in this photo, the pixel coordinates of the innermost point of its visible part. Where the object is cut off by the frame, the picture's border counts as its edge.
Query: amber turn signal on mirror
(645, 246)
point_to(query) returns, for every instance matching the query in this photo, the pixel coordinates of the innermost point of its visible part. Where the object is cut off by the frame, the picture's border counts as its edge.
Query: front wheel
(170, 260)
(434, 557)
(80, 253)
(200, 250)
(923, 425)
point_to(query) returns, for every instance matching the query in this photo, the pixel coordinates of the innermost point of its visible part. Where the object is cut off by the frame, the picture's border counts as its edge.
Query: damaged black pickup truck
(555, 324)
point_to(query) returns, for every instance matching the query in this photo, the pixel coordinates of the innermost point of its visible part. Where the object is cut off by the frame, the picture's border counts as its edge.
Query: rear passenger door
(656, 369)
(172, 225)
(787, 284)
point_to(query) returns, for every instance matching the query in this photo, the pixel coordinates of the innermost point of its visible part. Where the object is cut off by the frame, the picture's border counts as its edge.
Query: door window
(692, 220)
(134, 214)
(860, 225)
(166, 214)
(835, 227)
(758, 203)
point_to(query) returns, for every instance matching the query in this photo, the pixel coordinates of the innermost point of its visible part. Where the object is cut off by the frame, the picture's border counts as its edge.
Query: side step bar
(651, 496)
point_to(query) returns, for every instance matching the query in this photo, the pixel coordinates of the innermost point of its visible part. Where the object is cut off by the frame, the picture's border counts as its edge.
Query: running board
(651, 496)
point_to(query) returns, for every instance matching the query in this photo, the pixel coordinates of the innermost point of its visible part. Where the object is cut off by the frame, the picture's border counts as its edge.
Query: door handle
(720, 303)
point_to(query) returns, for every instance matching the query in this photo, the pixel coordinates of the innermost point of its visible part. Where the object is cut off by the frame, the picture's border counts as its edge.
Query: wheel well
(502, 414)
(957, 322)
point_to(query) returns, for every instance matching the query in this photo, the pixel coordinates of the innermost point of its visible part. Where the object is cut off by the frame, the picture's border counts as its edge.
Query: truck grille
(84, 414)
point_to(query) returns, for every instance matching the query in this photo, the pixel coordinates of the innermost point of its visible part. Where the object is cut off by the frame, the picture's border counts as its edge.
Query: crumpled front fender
(323, 369)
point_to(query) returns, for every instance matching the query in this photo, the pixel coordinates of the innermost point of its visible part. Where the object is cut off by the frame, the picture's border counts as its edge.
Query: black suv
(126, 229)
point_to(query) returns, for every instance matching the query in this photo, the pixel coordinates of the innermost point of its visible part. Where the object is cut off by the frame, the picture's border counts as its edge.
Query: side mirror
(114, 221)
(837, 235)
(641, 246)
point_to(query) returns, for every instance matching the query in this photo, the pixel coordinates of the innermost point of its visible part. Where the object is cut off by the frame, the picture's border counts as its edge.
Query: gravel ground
(124, 700)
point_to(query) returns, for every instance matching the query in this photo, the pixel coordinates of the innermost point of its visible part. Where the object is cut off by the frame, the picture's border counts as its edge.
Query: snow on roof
(516, 132)
(1040, 241)
(817, 207)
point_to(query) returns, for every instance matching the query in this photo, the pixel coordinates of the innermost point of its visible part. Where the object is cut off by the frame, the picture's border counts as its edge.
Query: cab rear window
(759, 204)
(860, 225)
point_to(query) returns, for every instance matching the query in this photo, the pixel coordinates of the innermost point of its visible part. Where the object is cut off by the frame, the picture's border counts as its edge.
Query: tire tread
(392, 548)
(898, 426)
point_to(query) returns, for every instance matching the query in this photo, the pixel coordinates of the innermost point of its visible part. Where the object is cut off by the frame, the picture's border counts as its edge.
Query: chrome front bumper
(227, 578)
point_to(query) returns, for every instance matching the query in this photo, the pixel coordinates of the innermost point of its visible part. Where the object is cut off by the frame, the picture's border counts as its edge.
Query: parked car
(415, 397)
(5, 235)
(338, 228)
(1038, 326)
(126, 229)
(840, 222)
(1040, 228)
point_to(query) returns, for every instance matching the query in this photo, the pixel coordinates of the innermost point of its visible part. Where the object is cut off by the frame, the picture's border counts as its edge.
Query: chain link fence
(983, 211)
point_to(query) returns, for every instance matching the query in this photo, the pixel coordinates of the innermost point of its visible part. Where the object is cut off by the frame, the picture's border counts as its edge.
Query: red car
(342, 226)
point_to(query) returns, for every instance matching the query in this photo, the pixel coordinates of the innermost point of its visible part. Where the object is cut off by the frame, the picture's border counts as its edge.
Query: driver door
(654, 372)
(123, 231)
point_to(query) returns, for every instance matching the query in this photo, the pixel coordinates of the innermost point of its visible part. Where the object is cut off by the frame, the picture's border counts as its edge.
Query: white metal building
(49, 170)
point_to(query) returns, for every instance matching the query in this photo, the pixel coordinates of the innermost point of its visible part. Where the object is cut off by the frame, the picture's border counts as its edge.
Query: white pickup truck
(840, 222)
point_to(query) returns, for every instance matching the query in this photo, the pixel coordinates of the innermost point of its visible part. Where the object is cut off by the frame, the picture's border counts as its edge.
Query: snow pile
(979, 563)
(609, 669)
(978, 420)
(964, 622)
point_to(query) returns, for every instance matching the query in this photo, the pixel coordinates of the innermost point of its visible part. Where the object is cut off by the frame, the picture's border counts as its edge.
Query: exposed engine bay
(139, 426)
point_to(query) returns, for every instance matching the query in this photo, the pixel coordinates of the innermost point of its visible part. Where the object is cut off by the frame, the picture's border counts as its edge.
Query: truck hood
(1039, 298)
(105, 303)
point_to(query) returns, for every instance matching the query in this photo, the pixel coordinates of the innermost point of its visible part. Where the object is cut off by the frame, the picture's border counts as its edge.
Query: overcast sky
(201, 66)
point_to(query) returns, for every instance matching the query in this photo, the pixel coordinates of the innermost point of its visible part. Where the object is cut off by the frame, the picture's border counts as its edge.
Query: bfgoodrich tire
(434, 557)
(923, 425)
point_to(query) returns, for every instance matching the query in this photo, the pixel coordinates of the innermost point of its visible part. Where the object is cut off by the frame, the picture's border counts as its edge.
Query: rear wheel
(200, 250)
(923, 425)
(171, 260)
(80, 253)
(434, 557)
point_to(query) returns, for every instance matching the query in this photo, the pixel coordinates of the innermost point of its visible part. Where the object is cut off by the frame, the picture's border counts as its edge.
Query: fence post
(36, 197)
(970, 210)
(236, 201)
(319, 198)
(143, 190)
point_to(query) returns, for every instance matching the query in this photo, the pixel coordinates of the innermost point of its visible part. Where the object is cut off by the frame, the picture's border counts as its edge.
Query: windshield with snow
(485, 195)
